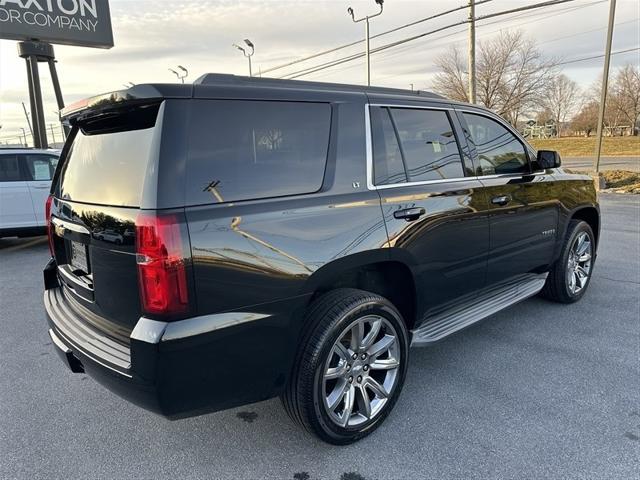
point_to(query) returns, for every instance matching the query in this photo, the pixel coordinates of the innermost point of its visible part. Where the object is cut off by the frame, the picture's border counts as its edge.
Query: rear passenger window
(388, 166)
(413, 145)
(9, 168)
(499, 151)
(428, 144)
(240, 150)
(41, 167)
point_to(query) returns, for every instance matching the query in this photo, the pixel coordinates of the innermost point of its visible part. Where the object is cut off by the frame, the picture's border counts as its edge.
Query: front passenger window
(499, 151)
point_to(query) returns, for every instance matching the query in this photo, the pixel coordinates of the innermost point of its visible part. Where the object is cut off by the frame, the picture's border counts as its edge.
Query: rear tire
(333, 395)
(571, 274)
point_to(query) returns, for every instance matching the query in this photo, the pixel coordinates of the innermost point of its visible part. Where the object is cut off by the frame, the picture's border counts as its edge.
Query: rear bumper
(183, 368)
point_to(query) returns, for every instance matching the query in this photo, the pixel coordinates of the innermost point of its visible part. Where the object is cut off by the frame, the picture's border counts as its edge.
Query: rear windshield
(107, 166)
(240, 150)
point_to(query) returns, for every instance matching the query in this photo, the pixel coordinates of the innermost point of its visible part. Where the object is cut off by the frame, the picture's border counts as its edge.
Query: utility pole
(605, 83)
(472, 51)
(53, 135)
(24, 135)
(27, 117)
(367, 49)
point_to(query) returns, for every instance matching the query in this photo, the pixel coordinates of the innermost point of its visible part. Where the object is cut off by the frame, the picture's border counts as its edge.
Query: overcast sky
(151, 36)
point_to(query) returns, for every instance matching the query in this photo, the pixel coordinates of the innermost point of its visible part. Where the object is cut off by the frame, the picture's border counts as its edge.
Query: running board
(465, 312)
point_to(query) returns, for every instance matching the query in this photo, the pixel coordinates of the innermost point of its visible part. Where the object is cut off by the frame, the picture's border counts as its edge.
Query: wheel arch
(374, 272)
(591, 215)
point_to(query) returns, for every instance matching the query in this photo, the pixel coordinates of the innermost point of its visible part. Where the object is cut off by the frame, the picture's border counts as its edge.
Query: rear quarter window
(242, 150)
(10, 168)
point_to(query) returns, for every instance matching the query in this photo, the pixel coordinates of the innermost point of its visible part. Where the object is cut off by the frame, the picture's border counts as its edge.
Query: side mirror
(548, 159)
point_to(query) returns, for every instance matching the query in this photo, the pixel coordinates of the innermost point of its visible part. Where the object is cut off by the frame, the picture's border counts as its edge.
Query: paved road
(606, 163)
(538, 391)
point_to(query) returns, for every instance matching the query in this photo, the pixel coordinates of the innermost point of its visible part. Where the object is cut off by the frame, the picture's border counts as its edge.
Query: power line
(483, 33)
(316, 68)
(598, 56)
(335, 49)
(543, 15)
(587, 31)
(520, 9)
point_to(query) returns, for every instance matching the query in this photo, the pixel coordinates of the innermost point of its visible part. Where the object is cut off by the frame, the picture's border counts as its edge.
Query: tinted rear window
(240, 150)
(10, 168)
(109, 168)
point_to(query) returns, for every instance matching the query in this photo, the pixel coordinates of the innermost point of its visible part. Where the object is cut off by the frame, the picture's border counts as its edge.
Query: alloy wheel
(361, 371)
(579, 263)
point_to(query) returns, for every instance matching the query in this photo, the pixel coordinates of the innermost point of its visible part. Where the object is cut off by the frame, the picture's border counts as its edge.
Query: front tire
(350, 367)
(571, 274)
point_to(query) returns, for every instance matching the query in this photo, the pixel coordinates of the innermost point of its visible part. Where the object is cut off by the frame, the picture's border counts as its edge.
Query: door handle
(41, 187)
(501, 200)
(409, 214)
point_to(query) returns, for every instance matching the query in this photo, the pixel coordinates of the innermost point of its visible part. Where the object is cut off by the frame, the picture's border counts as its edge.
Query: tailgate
(94, 250)
(97, 191)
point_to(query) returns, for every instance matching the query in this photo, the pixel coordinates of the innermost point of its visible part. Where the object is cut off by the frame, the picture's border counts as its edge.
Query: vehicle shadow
(22, 243)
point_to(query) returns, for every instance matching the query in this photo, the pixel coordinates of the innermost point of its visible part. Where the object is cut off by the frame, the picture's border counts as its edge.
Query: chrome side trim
(154, 331)
(368, 147)
(419, 107)
(511, 175)
(369, 150)
(426, 182)
(148, 331)
(460, 314)
(66, 225)
(207, 323)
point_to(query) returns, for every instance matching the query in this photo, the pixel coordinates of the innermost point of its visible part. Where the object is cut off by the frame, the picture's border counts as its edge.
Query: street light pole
(180, 77)
(367, 48)
(186, 72)
(247, 53)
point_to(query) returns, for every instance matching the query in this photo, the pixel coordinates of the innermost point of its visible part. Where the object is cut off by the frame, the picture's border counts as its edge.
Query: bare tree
(560, 99)
(586, 119)
(511, 74)
(625, 95)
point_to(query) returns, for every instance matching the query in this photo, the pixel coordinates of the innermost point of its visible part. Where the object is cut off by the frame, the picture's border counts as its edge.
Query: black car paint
(266, 259)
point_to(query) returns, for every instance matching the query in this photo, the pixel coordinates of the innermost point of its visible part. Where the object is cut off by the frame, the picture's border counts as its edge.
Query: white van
(25, 180)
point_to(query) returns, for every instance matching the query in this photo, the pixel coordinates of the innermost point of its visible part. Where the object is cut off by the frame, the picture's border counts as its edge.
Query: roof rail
(229, 79)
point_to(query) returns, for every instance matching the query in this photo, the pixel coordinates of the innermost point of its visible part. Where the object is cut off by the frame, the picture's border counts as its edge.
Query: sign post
(38, 23)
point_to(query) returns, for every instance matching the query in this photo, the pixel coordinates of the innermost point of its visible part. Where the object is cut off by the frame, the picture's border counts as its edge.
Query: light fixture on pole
(366, 20)
(182, 76)
(246, 53)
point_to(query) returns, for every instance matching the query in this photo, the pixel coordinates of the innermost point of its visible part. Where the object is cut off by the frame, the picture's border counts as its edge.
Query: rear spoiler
(130, 97)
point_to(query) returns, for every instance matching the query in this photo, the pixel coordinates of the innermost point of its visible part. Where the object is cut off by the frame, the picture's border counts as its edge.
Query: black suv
(237, 239)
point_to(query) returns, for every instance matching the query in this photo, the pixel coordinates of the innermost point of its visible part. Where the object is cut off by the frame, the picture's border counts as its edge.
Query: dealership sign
(70, 22)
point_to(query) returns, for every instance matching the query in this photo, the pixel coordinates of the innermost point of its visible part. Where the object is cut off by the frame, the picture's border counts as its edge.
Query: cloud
(152, 36)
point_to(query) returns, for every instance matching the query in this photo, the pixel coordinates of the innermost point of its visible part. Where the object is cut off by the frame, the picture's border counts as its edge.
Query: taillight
(162, 248)
(47, 213)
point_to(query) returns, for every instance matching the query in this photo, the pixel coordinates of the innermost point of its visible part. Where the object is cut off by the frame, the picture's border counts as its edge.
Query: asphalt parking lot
(538, 391)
